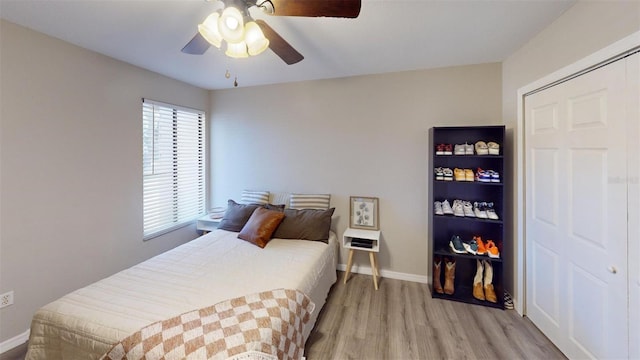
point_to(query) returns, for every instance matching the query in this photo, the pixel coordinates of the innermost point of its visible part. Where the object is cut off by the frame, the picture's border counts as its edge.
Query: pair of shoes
(444, 149)
(490, 148)
(445, 174)
(484, 210)
(484, 273)
(449, 275)
(462, 208)
(487, 175)
(463, 149)
(486, 248)
(463, 174)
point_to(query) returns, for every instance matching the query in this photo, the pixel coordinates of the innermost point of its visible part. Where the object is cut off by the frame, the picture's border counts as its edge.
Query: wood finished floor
(402, 321)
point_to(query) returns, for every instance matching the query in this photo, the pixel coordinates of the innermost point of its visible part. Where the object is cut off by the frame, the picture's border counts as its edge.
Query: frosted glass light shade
(237, 50)
(256, 42)
(209, 30)
(231, 25)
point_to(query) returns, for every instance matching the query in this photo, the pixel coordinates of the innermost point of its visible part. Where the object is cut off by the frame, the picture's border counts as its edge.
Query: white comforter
(86, 323)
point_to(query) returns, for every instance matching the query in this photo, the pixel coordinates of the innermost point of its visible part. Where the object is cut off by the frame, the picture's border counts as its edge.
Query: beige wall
(582, 30)
(71, 180)
(362, 136)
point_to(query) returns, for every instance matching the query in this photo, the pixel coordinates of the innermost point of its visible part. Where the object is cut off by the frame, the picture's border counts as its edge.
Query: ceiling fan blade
(279, 45)
(197, 46)
(310, 8)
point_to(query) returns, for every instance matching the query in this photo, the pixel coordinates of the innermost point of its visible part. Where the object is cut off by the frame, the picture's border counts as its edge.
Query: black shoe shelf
(443, 227)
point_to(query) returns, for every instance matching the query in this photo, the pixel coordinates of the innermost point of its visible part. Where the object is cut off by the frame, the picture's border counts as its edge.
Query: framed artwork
(363, 213)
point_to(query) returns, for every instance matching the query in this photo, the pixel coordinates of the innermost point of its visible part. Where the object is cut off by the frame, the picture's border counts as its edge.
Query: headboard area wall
(357, 136)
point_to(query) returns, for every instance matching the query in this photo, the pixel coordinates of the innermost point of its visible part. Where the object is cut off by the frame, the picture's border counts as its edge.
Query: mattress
(86, 323)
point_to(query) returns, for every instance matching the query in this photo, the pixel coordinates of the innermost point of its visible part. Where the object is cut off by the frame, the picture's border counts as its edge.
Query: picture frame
(363, 213)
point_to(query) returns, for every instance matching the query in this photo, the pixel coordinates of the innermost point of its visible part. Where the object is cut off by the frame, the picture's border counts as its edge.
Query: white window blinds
(173, 166)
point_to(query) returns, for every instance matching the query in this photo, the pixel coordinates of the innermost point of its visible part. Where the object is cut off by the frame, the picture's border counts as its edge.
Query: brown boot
(449, 275)
(478, 292)
(437, 286)
(489, 292)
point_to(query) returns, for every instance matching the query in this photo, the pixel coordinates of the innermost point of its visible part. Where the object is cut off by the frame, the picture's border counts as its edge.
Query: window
(173, 166)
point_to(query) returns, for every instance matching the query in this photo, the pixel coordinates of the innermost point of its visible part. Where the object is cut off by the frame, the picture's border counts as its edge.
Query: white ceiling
(388, 36)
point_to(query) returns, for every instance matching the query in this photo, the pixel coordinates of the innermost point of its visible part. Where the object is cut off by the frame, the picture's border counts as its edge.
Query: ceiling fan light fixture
(256, 42)
(237, 50)
(231, 25)
(209, 30)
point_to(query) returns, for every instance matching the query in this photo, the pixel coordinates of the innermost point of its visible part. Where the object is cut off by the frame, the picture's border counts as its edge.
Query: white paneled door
(633, 82)
(577, 188)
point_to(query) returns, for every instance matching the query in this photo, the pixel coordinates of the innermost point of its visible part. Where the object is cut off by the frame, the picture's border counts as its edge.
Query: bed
(211, 269)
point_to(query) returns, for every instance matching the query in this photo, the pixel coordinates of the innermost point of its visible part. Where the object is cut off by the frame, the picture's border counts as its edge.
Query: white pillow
(254, 197)
(309, 201)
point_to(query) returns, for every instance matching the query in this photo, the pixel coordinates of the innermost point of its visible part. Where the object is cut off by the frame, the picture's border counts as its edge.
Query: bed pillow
(306, 224)
(274, 207)
(254, 197)
(260, 227)
(309, 201)
(236, 216)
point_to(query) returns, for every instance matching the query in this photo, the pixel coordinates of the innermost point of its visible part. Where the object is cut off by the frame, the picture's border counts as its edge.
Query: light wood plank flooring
(402, 321)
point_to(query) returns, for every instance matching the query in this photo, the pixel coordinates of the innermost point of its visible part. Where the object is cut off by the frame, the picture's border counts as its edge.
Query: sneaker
(458, 174)
(448, 149)
(440, 149)
(471, 247)
(439, 173)
(459, 149)
(468, 175)
(508, 301)
(468, 149)
(448, 174)
(491, 213)
(481, 148)
(456, 245)
(458, 209)
(478, 209)
(468, 209)
(446, 208)
(437, 208)
(494, 148)
(483, 176)
(482, 250)
(492, 250)
(495, 176)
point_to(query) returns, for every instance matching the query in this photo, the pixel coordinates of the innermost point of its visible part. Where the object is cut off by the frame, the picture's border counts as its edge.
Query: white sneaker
(458, 208)
(468, 149)
(491, 213)
(448, 174)
(437, 208)
(439, 173)
(468, 209)
(478, 209)
(446, 208)
(459, 149)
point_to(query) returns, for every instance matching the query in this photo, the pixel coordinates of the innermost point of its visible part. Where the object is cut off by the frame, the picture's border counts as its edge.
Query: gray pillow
(236, 216)
(307, 224)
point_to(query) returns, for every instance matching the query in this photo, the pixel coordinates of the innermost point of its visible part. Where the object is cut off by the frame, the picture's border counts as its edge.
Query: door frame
(595, 60)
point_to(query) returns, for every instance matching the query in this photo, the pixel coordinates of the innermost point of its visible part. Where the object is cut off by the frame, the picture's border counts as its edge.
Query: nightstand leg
(349, 263)
(374, 269)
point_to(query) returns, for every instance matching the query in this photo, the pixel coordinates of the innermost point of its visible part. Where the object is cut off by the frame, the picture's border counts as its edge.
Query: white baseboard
(14, 342)
(386, 273)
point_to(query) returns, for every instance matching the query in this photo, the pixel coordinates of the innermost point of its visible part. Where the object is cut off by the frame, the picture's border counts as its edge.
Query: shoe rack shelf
(443, 227)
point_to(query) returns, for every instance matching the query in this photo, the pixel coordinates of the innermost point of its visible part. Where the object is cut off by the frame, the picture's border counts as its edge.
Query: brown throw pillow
(307, 224)
(236, 216)
(260, 227)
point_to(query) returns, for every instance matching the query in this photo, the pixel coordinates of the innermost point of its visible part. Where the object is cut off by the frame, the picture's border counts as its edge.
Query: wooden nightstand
(349, 241)
(206, 224)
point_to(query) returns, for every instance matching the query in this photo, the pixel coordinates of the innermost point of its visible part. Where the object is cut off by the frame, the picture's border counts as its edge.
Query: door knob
(612, 269)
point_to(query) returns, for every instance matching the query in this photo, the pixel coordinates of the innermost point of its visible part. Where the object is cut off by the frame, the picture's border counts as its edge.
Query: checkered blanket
(265, 325)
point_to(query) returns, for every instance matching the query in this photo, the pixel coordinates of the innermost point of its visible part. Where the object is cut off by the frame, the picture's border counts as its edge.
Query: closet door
(633, 81)
(576, 213)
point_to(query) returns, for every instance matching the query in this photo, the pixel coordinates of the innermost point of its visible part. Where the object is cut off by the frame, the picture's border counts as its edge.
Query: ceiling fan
(236, 26)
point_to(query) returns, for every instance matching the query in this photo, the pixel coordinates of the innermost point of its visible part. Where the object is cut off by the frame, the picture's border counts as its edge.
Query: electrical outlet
(6, 299)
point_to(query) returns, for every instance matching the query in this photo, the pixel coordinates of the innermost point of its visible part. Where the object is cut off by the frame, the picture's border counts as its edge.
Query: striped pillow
(254, 197)
(309, 201)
